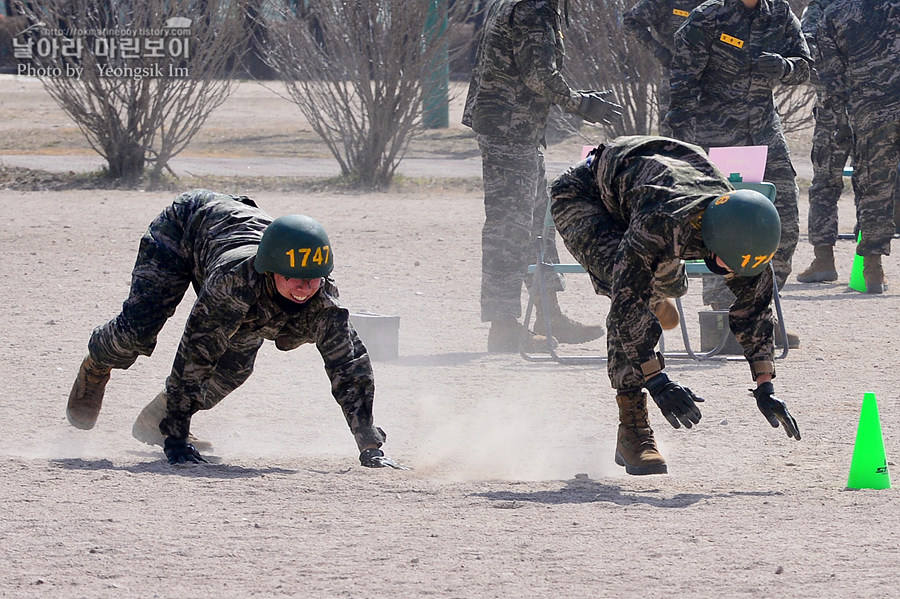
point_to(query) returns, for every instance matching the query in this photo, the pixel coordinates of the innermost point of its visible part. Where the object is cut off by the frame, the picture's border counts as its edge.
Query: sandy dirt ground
(513, 491)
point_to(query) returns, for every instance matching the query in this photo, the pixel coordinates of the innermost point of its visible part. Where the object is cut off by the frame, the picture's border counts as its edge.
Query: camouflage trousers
(515, 205)
(663, 99)
(876, 154)
(159, 280)
(828, 161)
(593, 237)
(780, 172)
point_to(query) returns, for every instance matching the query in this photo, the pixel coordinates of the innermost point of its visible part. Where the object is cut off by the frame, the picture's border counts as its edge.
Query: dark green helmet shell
(743, 228)
(296, 247)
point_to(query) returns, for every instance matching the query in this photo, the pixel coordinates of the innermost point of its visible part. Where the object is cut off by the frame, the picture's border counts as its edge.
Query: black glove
(594, 107)
(774, 410)
(179, 451)
(843, 134)
(663, 55)
(374, 458)
(676, 403)
(773, 66)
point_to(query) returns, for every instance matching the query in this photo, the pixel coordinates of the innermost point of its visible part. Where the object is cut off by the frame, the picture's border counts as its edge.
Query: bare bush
(359, 71)
(137, 84)
(795, 102)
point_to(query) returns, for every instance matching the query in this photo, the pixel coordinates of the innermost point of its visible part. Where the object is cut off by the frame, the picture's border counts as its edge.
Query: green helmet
(296, 247)
(742, 228)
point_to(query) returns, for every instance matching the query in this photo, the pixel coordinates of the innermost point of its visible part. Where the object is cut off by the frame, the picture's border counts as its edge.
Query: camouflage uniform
(718, 99)
(209, 240)
(653, 23)
(515, 81)
(629, 214)
(829, 155)
(858, 43)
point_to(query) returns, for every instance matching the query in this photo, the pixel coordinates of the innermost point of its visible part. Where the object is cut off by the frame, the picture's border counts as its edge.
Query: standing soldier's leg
(159, 280)
(829, 155)
(897, 202)
(565, 330)
(511, 174)
(875, 177)
(663, 98)
(780, 172)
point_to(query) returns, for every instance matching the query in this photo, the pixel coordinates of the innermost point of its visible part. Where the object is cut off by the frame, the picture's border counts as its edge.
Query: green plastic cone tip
(857, 281)
(869, 467)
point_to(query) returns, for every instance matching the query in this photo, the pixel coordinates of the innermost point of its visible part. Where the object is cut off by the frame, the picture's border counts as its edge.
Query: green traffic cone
(857, 281)
(869, 467)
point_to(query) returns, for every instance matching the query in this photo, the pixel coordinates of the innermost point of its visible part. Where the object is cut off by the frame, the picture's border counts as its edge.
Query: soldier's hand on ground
(678, 404)
(375, 458)
(179, 451)
(774, 410)
(771, 65)
(663, 55)
(595, 108)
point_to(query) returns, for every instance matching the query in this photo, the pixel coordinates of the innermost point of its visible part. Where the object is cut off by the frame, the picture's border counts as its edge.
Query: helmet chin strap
(714, 267)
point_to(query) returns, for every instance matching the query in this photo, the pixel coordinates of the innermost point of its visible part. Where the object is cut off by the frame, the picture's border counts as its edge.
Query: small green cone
(857, 282)
(869, 467)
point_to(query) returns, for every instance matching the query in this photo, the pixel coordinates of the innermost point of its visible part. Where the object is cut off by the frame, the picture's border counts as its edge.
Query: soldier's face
(297, 290)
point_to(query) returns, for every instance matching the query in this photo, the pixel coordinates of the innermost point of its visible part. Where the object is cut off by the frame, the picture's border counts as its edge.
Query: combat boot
(873, 274)
(565, 330)
(666, 313)
(86, 395)
(509, 336)
(822, 268)
(635, 445)
(146, 426)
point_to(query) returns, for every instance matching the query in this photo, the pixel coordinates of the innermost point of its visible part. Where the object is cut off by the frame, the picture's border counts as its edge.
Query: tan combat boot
(565, 330)
(666, 313)
(822, 268)
(873, 273)
(86, 395)
(146, 426)
(509, 336)
(635, 445)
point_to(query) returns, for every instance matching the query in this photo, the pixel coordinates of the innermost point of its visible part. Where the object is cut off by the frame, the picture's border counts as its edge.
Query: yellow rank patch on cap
(679, 12)
(731, 41)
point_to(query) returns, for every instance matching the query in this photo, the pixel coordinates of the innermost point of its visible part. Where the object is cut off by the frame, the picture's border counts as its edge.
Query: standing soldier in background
(729, 56)
(515, 81)
(832, 143)
(653, 23)
(630, 213)
(255, 279)
(859, 42)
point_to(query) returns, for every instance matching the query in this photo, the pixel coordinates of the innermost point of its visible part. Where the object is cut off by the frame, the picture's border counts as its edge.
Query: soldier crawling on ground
(256, 278)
